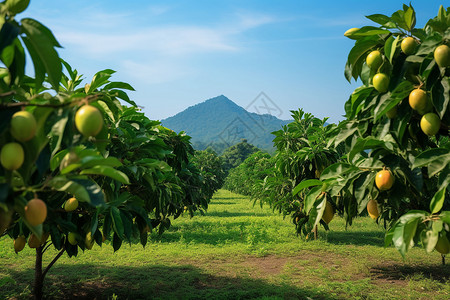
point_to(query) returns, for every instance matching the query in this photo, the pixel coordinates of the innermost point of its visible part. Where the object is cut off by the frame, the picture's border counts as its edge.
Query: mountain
(221, 123)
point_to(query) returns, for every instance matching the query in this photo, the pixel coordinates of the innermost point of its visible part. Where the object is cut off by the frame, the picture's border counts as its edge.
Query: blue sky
(179, 53)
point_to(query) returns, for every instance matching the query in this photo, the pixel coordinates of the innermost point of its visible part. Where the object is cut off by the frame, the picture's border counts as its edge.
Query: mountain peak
(219, 120)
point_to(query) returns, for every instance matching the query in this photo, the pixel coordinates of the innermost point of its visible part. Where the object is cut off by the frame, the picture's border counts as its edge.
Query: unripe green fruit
(23, 126)
(19, 243)
(442, 56)
(392, 113)
(72, 238)
(381, 82)
(89, 241)
(12, 156)
(374, 60)
(17, 6)
(71, 204)
(430, 124)
(89, 120)
(328, 213)
(409, 45)
(443, 244)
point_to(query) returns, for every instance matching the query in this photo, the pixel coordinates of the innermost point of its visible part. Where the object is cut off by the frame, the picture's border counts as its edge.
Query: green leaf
(438, 201)
(368, 31)
(429, 239)
(311, 198)
(445, 217)
(436, 159)
(122, 95)
(440, 95)
(100, 78)
(8, 34)
(391, 47)
(117, 222)
(107, 171)
(117, 242)
(118, 85)
(43, 42)
(410, 18)
(92, 161)
(405, 230)
(61, 183)
(382, 20)
(39, 67)
(305, 184)
(400, 92)
(357, 55)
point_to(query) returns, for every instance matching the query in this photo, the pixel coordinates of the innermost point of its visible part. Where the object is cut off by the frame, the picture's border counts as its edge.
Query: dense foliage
(77, 166)
(391, 156)
(235, 155)
(246, 177)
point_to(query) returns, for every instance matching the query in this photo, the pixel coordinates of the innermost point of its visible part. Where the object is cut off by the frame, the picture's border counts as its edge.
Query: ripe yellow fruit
(23, 126)
(71, 204)
(12, 156)
(35, 212)
(372, 209)
(409, 45)
(374, 60)
(72, 238)
(442, 56)
(351, 31)
(392, 113)
(89, 120)
(430, 124)
(34, 242)
(443, 244)
(384, 180)
(89, 241)
(328, 213)
(418, 100)
(68, 159)
(19, 243)
(381, 82)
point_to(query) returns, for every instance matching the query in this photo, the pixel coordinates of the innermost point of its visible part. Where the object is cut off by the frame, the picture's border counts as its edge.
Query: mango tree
(301, 156)
(77, 166)
(396, 132)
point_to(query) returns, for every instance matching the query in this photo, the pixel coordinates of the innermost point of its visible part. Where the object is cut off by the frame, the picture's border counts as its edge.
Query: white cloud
(154, 72)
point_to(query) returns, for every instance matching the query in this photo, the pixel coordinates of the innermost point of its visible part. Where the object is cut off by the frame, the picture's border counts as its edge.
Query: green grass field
(236, 251)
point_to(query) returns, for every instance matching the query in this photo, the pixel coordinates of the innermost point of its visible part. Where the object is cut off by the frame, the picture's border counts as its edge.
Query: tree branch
(20, 104)
(53, 261)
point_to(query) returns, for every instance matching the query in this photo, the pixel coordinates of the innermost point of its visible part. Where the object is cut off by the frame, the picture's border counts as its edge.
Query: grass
(236, 251)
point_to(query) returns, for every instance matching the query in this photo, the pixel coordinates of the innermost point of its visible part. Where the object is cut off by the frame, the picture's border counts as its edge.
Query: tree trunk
(315, 232)
(443, 259)
(38, 276)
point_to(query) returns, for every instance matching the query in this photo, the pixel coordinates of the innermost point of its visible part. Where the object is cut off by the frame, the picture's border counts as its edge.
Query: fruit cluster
(23, 128)
(419, 100)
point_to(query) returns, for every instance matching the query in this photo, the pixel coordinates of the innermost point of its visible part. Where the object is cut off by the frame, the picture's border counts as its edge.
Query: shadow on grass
(356, 238)
(85, 281)
(436, 272)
